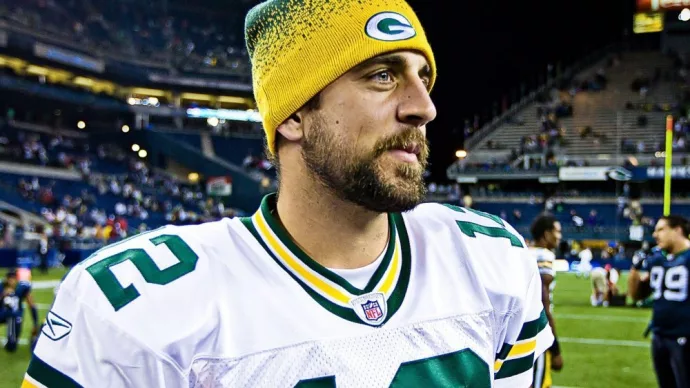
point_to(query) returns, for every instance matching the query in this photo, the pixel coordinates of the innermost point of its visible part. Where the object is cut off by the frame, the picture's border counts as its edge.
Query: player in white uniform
(546, 234)
(585, 266)
(340, 280)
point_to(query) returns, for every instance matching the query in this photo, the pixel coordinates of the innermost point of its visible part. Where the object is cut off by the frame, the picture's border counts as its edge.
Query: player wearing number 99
(668, 282)
(342, 279)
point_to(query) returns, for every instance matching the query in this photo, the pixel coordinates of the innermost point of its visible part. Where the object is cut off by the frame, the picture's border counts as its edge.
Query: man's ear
(292, 128)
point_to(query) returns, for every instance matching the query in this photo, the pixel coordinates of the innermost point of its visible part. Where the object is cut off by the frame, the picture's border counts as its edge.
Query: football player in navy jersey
(668, 284)
(13, 293)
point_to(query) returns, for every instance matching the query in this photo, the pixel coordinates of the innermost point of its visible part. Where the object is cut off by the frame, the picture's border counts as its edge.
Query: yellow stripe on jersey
(546, 264)
(318, 281)
(326, 287)
(388, 284)
(522, 349)
(28, 384)
(307, 275)
(519, 354)
(518, 350)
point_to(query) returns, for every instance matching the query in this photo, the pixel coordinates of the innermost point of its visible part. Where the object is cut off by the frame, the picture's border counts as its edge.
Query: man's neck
(682, 246)
(335, 233)
(541, 244)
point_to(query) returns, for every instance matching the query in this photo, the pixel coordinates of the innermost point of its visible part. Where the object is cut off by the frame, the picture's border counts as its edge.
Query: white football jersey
(545, 259)
(455, 301)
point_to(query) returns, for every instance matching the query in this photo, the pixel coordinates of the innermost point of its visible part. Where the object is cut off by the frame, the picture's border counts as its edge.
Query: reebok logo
(56, 327)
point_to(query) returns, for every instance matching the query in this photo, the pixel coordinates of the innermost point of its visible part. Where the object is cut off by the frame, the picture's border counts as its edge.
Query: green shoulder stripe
(529, 330)
(503, 353)
(532, 328)
(515, 367)
(45, 374)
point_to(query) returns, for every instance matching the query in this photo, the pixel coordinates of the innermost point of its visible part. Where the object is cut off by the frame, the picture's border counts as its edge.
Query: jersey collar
(333, 292)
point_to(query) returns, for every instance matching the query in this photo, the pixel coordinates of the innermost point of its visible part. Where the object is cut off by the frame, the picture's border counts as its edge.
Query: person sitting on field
(604, 285)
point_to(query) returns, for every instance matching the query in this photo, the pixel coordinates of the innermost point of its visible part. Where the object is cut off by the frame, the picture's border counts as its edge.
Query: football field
(602, 347)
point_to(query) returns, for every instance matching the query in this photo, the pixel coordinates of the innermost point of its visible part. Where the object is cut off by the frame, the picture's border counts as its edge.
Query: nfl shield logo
(372, 310)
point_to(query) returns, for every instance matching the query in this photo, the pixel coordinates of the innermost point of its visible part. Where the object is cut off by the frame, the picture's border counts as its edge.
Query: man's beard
(361, 179)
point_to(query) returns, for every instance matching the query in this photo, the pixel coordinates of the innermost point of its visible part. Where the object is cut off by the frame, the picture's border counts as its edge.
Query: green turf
(599, 365)
(585, 365)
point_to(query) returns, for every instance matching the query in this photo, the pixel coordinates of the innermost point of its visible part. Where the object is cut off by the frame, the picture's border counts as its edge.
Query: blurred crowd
(123, 195)
(544, 148)
(183, 36)
(42, 150)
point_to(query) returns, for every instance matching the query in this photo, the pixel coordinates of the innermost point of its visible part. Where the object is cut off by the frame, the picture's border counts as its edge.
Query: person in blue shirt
(668, 284)
(13, 294)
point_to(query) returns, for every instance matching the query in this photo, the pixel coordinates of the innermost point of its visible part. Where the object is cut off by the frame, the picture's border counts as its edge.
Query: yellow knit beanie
(298, 47)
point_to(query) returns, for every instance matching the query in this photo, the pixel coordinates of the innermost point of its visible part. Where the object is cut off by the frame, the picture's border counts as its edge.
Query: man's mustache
(404, 140)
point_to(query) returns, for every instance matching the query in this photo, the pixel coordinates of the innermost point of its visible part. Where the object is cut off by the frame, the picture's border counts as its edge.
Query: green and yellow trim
(517, 358)
(326, 287)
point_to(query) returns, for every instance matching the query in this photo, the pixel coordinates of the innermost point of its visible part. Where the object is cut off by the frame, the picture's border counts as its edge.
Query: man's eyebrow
(395, 61)
(391, 60)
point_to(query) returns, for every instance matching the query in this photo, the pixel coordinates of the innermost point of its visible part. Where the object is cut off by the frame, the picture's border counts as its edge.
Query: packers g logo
(389, 26)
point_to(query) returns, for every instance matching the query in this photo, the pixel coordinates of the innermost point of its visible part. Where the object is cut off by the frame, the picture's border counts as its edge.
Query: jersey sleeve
(79, 348)
(545, 261)
(526, 336)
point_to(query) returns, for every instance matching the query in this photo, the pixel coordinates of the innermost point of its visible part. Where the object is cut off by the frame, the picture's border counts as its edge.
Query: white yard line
(22, 341)
(595, 317)
(44, 284)
(601, 341)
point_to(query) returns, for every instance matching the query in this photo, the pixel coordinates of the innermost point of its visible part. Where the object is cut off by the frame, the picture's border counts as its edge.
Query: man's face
(554, 236)
(367, 140)
(665, 235)
(11, 281)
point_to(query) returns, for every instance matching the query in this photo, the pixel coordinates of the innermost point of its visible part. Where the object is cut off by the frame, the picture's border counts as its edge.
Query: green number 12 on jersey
(119, 296)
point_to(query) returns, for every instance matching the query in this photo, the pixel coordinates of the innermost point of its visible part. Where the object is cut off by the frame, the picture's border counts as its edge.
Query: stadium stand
(156, 33)
(596, 113)
(116, 185)
(606, 122)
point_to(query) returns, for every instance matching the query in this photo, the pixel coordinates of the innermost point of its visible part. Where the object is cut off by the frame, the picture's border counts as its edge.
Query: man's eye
(383, 76)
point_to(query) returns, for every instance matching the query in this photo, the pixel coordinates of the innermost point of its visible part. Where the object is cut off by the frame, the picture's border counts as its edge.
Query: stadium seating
(600, 110)
(117, 183)
(184, 37)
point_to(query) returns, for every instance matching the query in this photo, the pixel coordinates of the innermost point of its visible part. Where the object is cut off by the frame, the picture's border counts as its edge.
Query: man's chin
(392, 206)
(400, 195)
